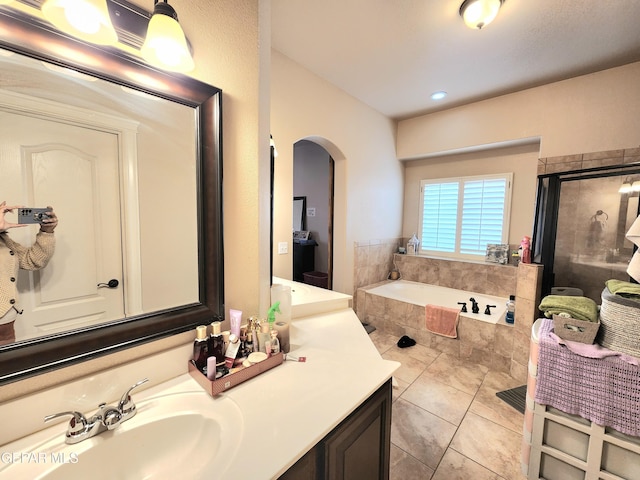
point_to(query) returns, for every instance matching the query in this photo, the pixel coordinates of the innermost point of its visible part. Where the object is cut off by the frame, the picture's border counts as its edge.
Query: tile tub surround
(373, 260)
(487, 278)
(501, 347)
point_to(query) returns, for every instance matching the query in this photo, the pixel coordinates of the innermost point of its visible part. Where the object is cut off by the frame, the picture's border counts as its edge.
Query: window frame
(506, 219)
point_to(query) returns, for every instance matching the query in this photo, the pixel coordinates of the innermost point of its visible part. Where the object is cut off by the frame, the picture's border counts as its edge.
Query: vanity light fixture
(626, 186)
(635, 186)
(165, 45)
(477, 14)
(87, 20)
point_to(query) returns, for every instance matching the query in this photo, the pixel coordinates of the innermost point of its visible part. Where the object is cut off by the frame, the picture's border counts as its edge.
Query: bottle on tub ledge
(510, 317)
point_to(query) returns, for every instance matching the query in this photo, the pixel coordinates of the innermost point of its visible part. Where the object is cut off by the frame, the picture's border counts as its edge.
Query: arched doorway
(313, 186)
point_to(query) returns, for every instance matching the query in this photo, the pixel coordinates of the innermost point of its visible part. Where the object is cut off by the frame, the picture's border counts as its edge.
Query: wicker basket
(620, 319)
(575, 330)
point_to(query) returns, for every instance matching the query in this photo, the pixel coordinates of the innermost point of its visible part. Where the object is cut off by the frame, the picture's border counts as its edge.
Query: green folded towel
(624, 289)
(581, 308)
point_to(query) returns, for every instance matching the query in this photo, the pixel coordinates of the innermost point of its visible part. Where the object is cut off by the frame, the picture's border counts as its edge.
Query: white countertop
(307, 300)
(305, 401)
(284, 412)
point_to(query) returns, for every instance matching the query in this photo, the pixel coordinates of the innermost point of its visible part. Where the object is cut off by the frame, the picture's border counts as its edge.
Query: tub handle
(464, 307)
(487, 310)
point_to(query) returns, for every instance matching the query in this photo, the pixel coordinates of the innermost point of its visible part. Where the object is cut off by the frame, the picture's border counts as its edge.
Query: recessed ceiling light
(438, 95)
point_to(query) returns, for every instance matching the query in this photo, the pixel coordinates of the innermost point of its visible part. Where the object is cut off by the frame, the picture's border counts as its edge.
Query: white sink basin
(175, 435)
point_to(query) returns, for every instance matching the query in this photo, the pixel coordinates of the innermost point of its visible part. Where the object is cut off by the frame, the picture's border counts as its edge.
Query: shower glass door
(580, 231)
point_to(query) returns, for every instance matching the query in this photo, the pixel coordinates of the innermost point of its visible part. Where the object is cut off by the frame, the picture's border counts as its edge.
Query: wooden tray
(215, 387)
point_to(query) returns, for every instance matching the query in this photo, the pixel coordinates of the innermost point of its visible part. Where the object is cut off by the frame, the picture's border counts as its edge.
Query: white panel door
(74, 169)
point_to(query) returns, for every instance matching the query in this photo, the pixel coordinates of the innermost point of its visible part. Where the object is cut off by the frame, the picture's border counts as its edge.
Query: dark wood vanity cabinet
(356, 449)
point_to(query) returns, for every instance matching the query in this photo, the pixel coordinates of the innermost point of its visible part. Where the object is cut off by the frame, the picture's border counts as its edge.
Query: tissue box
(575, 330)
(215, 387)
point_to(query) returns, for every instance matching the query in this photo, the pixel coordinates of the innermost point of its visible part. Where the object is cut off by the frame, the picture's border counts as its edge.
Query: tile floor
(447, 423)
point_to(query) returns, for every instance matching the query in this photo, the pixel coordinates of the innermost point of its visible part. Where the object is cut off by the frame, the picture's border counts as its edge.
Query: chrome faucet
(106, 418)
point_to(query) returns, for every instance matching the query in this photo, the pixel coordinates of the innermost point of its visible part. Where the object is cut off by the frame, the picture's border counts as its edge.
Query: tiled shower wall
(567, 163)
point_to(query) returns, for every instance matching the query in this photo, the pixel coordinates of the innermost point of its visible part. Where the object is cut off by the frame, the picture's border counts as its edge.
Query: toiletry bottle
(235, 319)
(232, 350)
(263, 337)
(254, 328)
(275, 344)
(201, 348)
(216, 344)
(511, 310)
(249, 343)
(242, 351)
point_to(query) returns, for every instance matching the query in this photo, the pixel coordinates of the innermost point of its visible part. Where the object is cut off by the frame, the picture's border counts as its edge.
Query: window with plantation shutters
(460, 216)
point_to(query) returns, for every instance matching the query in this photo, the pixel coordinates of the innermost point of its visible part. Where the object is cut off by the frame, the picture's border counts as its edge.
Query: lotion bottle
(216, 345)
(235, 319)
(232, 350)
(201, 348)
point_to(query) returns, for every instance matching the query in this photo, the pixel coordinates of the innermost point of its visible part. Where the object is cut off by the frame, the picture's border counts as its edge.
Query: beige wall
(592, 113)
(229, 47)
(521, 160)
(369, 179)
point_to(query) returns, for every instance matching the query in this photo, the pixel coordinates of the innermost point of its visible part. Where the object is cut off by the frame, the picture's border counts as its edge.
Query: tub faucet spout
(474, 305)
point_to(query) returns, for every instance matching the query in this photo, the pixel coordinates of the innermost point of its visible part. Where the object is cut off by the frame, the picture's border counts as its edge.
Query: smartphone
(32, 215)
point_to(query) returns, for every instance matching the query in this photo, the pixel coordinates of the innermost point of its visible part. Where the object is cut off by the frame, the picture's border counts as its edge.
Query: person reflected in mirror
(13, 257)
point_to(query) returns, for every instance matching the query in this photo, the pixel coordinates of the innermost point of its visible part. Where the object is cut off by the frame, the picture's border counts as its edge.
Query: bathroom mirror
(191, 223)
(299, 213)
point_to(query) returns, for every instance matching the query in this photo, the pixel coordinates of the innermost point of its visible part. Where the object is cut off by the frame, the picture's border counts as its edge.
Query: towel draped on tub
(442, 320)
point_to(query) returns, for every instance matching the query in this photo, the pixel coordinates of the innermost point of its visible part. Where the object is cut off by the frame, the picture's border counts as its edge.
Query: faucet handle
(487, 310)
(77, 424)
(126, 405)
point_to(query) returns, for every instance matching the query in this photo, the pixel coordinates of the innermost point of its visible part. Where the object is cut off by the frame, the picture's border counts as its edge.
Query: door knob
(113, 283)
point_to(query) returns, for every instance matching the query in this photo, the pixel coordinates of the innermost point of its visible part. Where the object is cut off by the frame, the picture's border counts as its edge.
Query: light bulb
(479, 13)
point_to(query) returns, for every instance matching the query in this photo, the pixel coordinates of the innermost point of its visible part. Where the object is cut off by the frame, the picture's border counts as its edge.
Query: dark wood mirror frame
(28, 36)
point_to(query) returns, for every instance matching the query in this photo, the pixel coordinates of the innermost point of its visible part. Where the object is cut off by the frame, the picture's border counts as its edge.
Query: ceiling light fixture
(477, 14)
(165, 45)
(438, 95)
(87, 20)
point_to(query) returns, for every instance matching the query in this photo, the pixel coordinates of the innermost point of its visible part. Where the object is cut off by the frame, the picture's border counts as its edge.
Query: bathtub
(422, 294)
